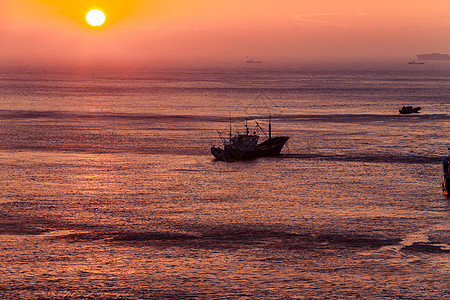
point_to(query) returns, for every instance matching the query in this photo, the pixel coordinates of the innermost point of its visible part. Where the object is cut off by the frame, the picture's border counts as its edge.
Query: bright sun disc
(95, 17)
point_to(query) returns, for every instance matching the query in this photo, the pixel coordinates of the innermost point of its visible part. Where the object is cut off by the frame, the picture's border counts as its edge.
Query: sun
(95, 17)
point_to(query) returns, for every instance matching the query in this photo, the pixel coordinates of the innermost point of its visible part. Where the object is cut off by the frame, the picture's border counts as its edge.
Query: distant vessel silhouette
(251, 61)
(413, 62)
(433, 56)
(408, 109)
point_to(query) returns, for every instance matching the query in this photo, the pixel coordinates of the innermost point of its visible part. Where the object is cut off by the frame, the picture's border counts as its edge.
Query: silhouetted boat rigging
(408, 109)
(245, 146)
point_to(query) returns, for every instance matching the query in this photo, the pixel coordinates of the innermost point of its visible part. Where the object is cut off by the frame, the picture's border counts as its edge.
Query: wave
(28, 114)
(426, 248)
(31, 114)
(236, 238)
(361, 118)
(377, 158)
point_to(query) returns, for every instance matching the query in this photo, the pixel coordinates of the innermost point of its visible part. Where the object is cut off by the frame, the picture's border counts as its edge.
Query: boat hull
(405, 111)
(271, 147)
(229, 154)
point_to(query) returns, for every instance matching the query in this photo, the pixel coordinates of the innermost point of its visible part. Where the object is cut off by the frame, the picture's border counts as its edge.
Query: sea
(108, 189)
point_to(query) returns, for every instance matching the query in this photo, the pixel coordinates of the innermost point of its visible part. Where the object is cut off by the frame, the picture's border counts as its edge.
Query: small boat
(413, 62)
(446, 177)
(245, 146)
(408, 109)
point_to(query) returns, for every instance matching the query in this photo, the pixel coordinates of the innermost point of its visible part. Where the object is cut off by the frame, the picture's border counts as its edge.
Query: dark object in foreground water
(245, 146)
(407, 109)
(446, 177)
(426, 248)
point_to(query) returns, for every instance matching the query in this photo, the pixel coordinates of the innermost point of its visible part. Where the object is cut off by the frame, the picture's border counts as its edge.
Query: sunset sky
(210, 30)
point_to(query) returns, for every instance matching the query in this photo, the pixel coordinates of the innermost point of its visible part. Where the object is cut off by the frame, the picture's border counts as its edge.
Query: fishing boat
(408, 109)
(246, 146)
(446, 177)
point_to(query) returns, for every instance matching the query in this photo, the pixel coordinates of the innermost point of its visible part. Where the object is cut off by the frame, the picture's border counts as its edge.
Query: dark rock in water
(426, 248)
(357, 240)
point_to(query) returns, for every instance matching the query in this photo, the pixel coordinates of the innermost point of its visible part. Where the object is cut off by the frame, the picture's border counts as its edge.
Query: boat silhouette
(408, 109)
(246, 146)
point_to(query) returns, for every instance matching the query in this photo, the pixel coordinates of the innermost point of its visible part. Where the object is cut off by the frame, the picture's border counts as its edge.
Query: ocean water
(109, 190)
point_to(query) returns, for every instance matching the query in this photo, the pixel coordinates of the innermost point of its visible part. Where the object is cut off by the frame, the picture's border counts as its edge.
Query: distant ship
(433, 56)
(413, 62)
(251, 61)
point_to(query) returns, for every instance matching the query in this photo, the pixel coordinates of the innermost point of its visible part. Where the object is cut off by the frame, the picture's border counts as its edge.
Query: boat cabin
(245, 142)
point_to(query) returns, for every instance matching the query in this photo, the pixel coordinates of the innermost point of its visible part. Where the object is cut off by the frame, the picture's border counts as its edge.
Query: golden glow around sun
(95, 17)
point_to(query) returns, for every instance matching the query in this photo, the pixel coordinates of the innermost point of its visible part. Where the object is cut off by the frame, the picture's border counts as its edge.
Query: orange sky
(168, 30)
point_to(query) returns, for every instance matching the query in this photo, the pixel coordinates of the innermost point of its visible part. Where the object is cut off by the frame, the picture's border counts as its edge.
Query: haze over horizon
(52, 31)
